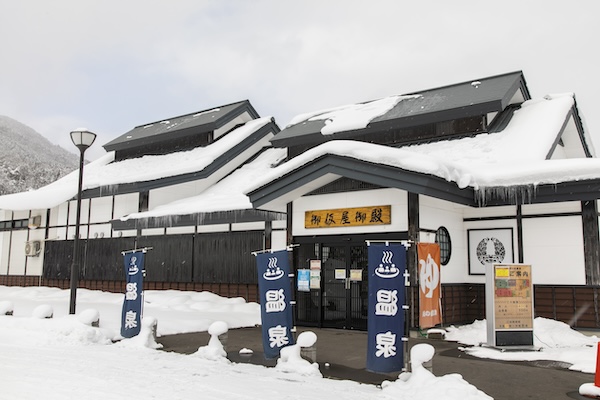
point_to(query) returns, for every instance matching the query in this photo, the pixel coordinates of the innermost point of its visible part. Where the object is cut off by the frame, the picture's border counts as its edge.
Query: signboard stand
(509, 307)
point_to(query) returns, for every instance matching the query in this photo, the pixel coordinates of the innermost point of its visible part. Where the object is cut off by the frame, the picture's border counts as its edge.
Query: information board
(509, 305)
(513, 301)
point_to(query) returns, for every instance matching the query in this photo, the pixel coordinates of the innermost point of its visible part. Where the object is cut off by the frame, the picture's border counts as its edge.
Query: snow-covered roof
(466, 99)
(516, 156)
(176, 127)
(227, 194)
(105, 173)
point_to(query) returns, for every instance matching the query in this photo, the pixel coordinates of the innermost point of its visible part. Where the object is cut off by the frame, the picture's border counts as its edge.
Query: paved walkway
(341, 354)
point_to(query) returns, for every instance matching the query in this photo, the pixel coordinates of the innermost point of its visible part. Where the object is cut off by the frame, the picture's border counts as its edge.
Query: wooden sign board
(343, 217)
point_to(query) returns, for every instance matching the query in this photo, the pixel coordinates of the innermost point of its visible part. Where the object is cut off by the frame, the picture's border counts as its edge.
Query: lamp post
(82, 138)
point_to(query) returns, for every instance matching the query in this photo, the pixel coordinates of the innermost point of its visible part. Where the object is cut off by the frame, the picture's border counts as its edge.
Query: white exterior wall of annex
(435, 213)
(492, 218)
(4, 243)
(14, 261)
(394, 197)
(554, 245)
(552, 242)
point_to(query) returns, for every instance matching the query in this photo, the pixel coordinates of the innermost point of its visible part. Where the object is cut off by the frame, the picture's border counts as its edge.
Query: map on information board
(513, 301)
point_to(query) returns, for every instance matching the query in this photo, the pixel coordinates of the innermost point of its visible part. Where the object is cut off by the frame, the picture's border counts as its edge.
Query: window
(442, 237)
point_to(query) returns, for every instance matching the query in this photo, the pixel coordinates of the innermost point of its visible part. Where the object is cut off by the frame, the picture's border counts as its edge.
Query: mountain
(28, 160)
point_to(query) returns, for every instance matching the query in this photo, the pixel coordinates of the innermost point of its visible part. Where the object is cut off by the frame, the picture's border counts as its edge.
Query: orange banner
(430, 313)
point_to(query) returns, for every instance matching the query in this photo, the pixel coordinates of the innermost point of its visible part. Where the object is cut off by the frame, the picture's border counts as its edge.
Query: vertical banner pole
(275, 293)
(131, 316)
(386, 330)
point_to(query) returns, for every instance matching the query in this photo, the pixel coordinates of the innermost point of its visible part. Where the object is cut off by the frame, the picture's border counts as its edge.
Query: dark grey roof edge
(298, 134)
(237, 108)
(245, 102)
(383, 175)
(519, 72)
(207, 218)
(429, 185)
(219, 162)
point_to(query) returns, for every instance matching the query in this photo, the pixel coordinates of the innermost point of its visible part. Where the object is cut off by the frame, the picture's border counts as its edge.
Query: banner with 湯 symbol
(385, 347)
(275, 294)
(131, 316)
(430, 313)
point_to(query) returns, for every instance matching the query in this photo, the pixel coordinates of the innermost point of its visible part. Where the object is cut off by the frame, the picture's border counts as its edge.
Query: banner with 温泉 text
(387, 264)
(131, 317)
(275, 294)
(430, 312)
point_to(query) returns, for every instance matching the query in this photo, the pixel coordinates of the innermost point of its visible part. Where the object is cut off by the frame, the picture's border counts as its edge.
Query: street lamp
(82, 138)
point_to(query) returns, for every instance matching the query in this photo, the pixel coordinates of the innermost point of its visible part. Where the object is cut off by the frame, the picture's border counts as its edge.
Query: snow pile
(214, 350)
(6, 307)
(43, 311)
(146, 338)
(290, 359)
(352, 117)
(422, 384)
(555, 339)
(193, 311)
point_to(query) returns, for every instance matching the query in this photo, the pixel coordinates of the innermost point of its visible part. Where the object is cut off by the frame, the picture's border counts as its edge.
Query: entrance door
(345, 286)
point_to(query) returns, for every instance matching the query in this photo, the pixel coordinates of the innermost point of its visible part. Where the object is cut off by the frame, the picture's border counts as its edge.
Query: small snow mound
(89, 316)
(6, 307)
(146, 336)
(291, 361)
(218, 328)
(307, 339)
(214, 350)
(246, 351)
(421, 383)
(43, 311)
(420, 354)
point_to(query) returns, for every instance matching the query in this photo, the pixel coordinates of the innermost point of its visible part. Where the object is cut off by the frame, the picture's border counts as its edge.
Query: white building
(480, 167)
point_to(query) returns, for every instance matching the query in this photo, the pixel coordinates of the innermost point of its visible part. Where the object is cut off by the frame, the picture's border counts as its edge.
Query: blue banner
(387, 264)
(275, 294)
(131, 318)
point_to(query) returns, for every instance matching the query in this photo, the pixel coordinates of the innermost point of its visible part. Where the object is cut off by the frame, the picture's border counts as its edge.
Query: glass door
(345, 286)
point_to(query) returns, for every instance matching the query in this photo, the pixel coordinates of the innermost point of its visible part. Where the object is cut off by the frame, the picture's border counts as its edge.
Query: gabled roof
(467, 99)
(506, 167)
(105, 177)
(181, 126)
(223, 202)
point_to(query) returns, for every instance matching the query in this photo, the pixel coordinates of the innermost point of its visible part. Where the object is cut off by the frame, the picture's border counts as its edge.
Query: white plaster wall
(4, 249)
(85, 210)
(17, 255)
(100, 231)
(394, 197)
(34, 264)
(213, 228)
(492, 224)
(554, 248)
(434, 213)
(101, 209)
(278, 240)
(179, 230)
(551, 208)
(125, 204)
(248, 226)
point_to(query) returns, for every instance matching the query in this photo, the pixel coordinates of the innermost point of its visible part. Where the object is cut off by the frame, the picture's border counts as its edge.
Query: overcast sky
(111, 65)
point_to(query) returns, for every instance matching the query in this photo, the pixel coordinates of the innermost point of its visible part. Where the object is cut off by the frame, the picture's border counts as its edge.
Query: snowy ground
(65, 358)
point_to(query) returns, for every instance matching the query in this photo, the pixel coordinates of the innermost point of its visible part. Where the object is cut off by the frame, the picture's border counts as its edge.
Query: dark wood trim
(412, 257)
(523, 216)
(591, 240)
(520, 234)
